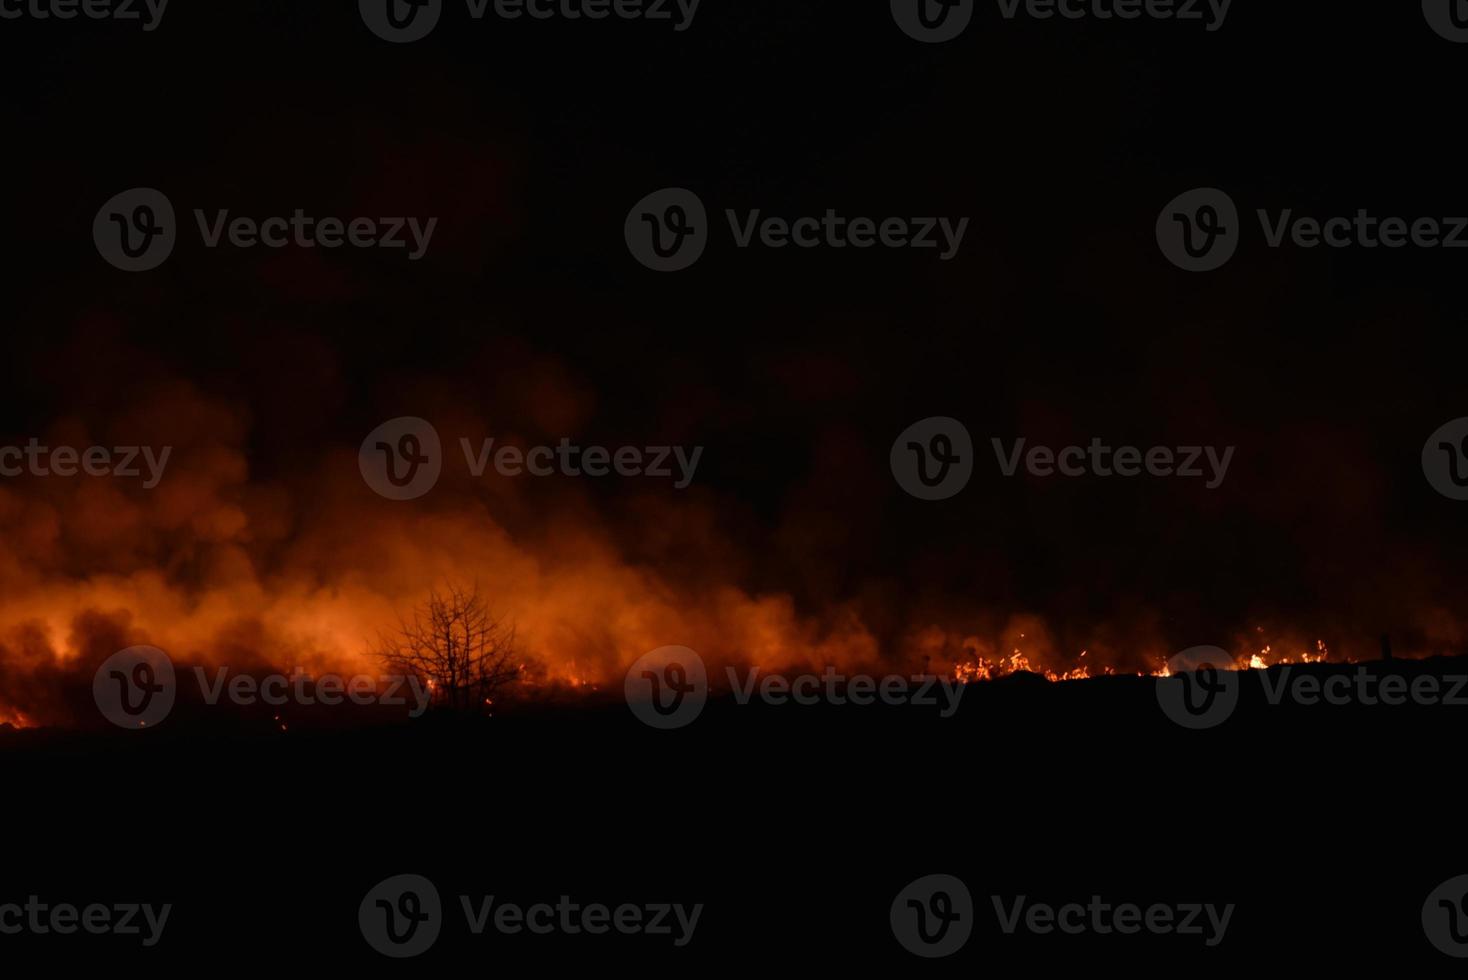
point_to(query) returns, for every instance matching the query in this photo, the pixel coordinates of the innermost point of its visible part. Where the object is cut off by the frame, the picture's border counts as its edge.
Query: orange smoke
(218, 567)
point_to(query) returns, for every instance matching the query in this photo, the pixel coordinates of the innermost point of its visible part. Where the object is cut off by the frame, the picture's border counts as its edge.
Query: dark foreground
(1325, 826)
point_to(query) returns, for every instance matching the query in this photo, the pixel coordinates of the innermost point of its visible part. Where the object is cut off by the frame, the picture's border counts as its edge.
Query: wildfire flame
(983, 669)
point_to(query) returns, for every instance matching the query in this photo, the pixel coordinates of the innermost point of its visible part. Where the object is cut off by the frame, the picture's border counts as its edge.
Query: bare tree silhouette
(458, 647)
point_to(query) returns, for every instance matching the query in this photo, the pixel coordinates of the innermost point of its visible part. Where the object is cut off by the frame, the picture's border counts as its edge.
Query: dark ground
(1326, 825)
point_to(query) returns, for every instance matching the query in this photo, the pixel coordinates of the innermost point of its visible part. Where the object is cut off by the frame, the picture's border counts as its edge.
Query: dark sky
(1058, 321)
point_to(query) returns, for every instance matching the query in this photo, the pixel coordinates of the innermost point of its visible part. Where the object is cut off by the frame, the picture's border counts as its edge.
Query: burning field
(525, 485)
(303, 568)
